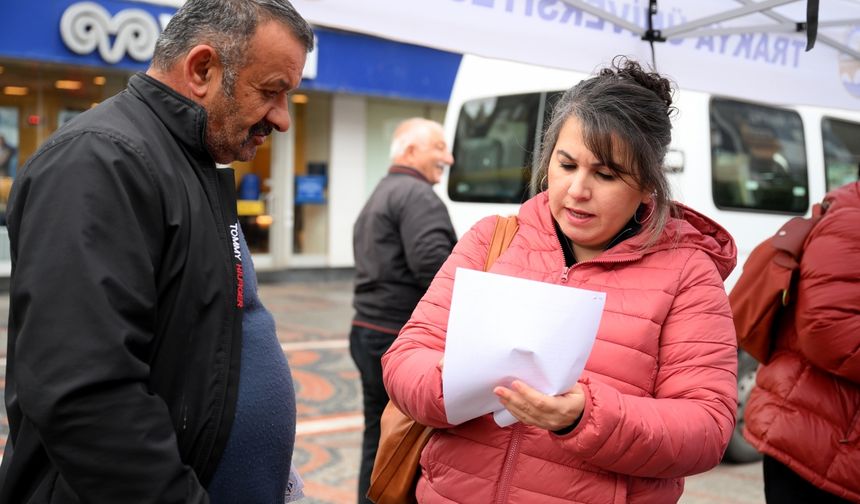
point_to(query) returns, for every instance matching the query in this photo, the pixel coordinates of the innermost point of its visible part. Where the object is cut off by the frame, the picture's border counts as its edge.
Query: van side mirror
(674, 161)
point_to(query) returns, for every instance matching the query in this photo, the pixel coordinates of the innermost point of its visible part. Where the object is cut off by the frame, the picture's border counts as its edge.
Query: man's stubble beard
(220, 127)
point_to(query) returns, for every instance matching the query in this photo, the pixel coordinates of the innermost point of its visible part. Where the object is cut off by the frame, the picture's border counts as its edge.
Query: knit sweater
(255, 467)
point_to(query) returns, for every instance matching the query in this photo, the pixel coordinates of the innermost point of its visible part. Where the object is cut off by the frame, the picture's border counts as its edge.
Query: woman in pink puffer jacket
(658, 397)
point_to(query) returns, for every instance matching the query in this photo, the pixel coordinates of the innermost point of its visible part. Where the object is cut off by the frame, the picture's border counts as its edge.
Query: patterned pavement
(313, 327)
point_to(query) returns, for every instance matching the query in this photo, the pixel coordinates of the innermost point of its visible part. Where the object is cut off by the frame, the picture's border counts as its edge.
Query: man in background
(401, 238)
(142, 367)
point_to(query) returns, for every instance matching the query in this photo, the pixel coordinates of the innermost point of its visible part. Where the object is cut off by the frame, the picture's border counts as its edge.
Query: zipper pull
(564, 273)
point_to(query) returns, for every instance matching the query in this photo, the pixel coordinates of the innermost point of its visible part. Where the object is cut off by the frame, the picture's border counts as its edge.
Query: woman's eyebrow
(596, 164)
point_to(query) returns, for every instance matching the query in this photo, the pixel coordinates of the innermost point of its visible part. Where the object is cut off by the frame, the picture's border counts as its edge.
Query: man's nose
(279, 114)
(449, 158)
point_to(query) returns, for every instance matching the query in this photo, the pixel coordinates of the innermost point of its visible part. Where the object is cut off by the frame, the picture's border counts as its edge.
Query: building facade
(298, 198)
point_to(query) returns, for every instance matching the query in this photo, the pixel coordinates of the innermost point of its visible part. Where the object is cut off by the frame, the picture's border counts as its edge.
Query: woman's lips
(578, 216)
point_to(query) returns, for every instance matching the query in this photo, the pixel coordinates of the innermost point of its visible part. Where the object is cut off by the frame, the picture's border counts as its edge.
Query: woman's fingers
(532, 407)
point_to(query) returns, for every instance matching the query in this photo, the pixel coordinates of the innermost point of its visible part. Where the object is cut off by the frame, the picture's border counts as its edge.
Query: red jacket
(805, 409)
(660, 380)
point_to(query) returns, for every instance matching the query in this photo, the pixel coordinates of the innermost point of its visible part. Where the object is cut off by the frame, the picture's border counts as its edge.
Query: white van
(749, 166)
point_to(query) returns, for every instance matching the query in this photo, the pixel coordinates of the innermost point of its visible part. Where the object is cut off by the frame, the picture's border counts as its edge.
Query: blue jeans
(366, 347)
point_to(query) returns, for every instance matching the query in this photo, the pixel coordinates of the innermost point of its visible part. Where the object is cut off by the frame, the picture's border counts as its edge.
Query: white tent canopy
(742, 48)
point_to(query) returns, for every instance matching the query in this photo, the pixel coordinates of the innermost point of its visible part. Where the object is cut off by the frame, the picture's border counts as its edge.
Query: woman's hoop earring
(543, 183)
(636, 218)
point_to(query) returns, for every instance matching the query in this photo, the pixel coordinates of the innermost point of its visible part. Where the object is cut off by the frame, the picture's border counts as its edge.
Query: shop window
(841, 151)
(35, 100)
(8, 141)
(253, 191)
(758, 158)
(312, 129)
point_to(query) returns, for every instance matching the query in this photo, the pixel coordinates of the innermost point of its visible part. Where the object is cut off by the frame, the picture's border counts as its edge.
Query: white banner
(768, 64)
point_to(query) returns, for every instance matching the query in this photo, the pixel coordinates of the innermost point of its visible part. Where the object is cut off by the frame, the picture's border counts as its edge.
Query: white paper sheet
(503, 328)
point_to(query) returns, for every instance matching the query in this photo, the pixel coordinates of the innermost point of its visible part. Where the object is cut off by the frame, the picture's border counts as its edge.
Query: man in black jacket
(133, 308)
(401, 238)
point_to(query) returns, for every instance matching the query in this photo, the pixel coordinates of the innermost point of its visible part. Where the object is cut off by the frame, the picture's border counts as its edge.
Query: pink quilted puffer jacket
(660, 381)
(805, 408)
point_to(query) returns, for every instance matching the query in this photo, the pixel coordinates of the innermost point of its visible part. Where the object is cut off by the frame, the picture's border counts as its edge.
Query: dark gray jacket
(125, 325)
(401, 238)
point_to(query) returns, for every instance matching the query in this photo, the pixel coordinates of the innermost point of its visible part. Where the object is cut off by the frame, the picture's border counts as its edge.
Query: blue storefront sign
(310, 189)
(119, 34)
(122, 34)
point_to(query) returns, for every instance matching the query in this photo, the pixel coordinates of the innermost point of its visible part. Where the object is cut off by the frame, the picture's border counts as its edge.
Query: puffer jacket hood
(700, 232)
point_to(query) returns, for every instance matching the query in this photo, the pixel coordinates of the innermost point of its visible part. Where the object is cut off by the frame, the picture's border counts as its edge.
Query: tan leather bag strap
(506, 229)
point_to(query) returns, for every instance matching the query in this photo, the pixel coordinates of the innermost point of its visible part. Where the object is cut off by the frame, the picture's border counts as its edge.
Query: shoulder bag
(401, 440)
(764, 288)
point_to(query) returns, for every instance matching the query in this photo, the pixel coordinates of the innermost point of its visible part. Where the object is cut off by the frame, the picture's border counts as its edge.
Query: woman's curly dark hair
(632, 106)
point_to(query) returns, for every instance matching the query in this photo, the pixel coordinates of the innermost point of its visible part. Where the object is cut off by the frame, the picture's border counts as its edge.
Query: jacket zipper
(214, 437)
(564, 274)
(510, 462)
(565, 270)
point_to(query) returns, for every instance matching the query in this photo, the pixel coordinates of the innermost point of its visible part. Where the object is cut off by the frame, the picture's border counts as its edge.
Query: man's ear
(201, 70)
(409, 151)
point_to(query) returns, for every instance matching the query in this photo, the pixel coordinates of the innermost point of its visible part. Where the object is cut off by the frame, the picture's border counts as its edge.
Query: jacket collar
(687, 229)
(185, 119)
(407, 170)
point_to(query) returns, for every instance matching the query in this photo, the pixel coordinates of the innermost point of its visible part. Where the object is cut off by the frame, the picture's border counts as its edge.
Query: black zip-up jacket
(125, 324)
(400, 240)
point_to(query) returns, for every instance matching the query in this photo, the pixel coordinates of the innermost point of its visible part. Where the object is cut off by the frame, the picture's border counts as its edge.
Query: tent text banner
(738, 48)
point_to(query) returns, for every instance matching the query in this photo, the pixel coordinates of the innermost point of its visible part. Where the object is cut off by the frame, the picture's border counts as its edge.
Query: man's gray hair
(226, 25)
(412, 131)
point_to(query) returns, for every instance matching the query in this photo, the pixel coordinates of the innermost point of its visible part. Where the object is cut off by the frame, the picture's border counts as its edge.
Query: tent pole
(748, 8)
(790, 27)
(824, 39)
(811, 23)
(651, 35)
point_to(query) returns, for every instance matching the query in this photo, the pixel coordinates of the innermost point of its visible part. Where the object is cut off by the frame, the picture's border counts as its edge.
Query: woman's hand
(553, 413)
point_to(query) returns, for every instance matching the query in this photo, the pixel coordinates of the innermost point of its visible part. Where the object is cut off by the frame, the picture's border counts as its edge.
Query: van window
(841, 151)
(493, 149)
(758, 158)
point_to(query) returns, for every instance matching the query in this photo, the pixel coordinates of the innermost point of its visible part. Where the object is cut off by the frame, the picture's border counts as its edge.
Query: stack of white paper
(503, 328)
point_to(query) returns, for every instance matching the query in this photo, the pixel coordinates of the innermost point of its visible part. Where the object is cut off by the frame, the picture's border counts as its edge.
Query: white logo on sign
(86, 26)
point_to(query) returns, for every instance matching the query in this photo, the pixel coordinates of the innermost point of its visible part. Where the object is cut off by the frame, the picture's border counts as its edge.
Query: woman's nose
(579, 187)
